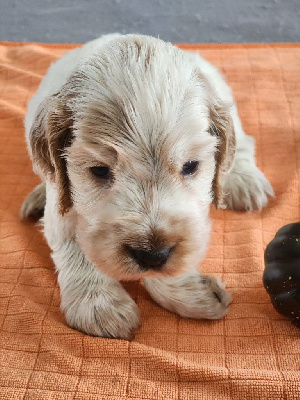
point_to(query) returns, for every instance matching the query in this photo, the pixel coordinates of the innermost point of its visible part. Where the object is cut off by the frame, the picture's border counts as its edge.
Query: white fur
(191, 295)
(165, 124)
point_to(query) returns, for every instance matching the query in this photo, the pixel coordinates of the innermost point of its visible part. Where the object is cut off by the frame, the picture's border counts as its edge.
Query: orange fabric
(253, 353)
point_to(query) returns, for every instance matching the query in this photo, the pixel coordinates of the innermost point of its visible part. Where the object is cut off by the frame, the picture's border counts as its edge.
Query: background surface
(75, 21)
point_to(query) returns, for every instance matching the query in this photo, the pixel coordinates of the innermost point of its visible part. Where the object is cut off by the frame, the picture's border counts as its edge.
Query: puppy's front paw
(111, 315)
(216, 295)
(192, 295)
(246, 188)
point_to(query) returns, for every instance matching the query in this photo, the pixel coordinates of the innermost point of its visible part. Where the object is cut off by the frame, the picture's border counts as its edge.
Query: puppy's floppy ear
(50, 134)
(221, 126)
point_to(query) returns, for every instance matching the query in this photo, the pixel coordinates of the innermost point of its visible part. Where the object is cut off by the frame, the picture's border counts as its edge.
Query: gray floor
(76, 21)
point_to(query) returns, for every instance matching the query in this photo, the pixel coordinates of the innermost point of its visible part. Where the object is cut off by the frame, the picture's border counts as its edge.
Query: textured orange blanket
(253, 353)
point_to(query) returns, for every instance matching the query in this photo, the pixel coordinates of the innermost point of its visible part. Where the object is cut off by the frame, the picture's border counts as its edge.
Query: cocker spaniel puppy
(133, 140)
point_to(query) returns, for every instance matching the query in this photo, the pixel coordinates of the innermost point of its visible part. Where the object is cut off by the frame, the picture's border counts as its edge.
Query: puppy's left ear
(221, 126)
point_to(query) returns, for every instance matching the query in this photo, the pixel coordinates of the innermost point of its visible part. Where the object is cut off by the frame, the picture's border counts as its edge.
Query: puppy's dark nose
(150, 259)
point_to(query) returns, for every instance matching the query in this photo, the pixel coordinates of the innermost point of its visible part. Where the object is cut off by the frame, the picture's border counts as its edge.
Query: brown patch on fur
(92, 154)
(155, 240)
(222, 127)
(143, 50)
(49, 136)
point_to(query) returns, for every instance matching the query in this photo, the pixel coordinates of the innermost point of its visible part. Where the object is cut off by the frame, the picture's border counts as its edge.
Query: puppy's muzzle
(150, 259)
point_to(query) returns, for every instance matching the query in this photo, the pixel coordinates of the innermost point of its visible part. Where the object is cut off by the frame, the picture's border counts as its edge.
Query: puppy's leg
(34, 204)
(246, 187)
(92, 302)
(191, 295)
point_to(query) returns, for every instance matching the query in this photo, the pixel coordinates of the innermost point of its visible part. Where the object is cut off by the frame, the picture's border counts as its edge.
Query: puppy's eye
(101, 172)
(189, 168)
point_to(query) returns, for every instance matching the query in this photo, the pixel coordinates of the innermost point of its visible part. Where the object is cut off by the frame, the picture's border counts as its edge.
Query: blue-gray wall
(176, 21)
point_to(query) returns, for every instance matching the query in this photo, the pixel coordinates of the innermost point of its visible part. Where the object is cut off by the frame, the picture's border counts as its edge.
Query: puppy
(133, 140)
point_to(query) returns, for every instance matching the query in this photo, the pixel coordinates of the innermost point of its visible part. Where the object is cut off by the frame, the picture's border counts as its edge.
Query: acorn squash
(281, 276)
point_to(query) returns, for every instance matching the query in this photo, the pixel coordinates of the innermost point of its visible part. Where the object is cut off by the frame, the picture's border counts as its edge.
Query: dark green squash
(281, 276)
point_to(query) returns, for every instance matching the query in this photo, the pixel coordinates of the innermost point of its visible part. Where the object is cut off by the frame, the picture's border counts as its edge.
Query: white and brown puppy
(133, 140)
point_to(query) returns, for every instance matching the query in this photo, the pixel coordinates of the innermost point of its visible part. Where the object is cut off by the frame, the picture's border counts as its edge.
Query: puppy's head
(139, 144)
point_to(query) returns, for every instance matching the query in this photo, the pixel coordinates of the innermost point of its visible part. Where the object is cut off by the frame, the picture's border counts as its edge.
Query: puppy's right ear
(50, 134)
